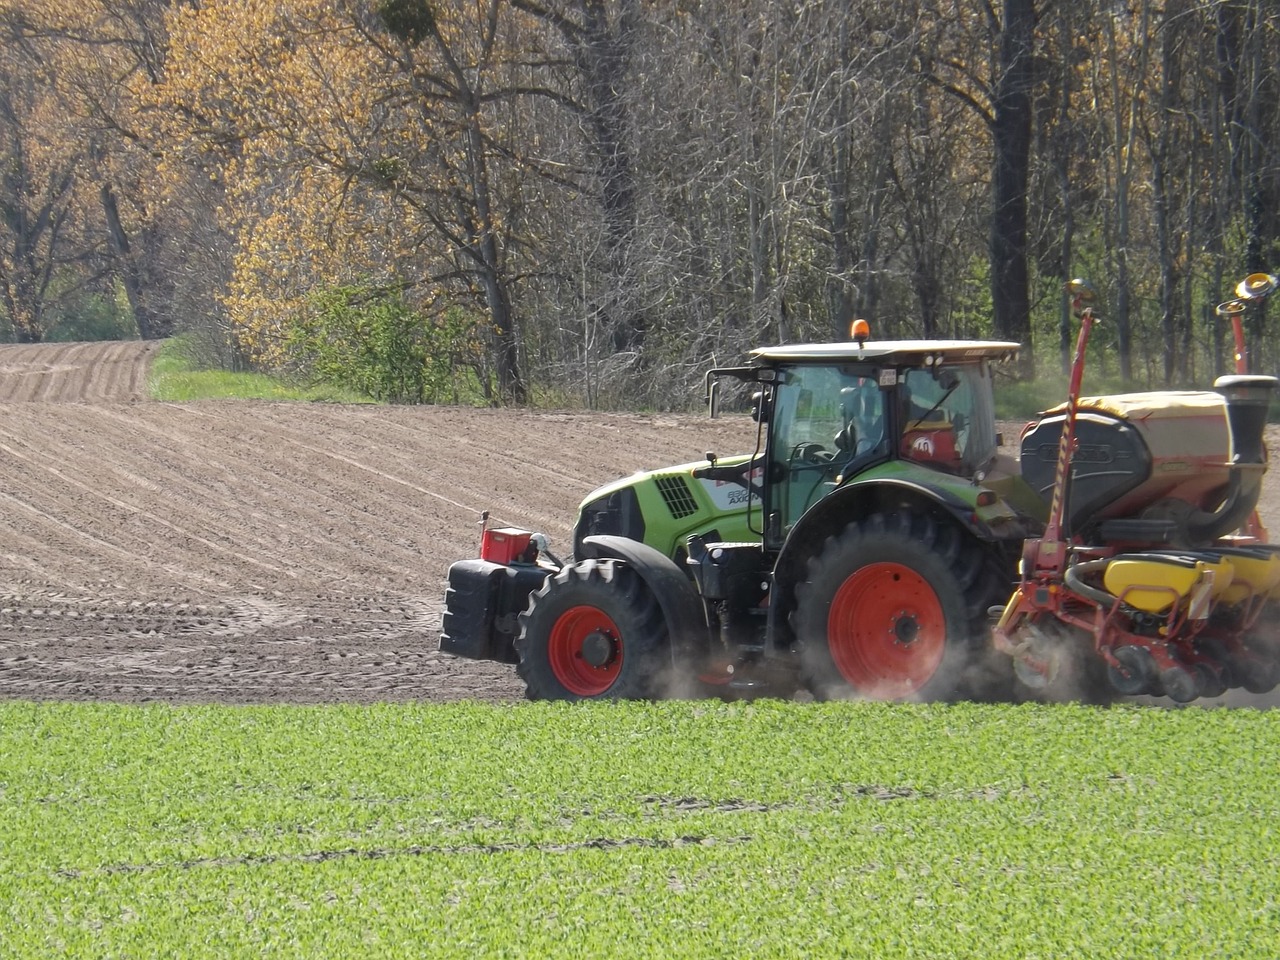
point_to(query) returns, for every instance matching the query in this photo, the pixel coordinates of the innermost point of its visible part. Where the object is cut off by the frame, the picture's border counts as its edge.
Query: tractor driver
(863, 407)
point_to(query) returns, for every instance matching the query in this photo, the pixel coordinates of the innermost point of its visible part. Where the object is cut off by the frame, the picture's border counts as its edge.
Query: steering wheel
(846, 440)
(810, 452)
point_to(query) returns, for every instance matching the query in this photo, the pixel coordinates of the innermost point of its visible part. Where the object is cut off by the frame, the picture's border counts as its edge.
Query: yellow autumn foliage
(310, 121)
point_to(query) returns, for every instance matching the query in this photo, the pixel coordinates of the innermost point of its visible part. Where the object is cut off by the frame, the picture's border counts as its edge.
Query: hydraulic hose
(1073, 577)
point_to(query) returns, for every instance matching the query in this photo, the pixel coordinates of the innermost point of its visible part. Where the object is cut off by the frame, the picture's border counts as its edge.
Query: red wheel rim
(886, 631)
(585, 650)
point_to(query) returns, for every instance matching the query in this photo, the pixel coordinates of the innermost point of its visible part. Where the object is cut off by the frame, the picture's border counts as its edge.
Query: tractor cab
(833, 412)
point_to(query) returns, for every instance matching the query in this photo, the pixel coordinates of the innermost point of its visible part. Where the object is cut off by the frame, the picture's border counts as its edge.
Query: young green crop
(683, 829)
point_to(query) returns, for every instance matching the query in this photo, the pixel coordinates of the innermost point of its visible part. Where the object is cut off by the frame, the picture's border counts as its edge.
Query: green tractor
(856, 552)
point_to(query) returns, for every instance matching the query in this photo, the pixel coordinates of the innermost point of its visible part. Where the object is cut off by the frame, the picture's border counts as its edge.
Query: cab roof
(888, 351)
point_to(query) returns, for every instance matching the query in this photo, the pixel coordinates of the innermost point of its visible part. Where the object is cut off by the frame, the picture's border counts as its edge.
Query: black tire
(594, 631)
(1260, 670)
(895, 608)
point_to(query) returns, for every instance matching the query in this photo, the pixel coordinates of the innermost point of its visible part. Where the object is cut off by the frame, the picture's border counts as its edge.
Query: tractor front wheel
(892, 610)
(594, 631)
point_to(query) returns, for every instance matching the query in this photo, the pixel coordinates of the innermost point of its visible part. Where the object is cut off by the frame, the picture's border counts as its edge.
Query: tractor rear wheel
(895, 608)
(594, 631)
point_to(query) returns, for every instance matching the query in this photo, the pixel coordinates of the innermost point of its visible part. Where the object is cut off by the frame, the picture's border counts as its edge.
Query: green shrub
(90, 316)
(372, 341)
(80, 315)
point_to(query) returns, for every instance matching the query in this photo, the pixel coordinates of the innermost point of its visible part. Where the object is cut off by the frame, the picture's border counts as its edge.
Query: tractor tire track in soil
(258, 552)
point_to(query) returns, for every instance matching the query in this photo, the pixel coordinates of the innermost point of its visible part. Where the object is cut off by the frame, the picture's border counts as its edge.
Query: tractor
(855, 552)
(878, 544)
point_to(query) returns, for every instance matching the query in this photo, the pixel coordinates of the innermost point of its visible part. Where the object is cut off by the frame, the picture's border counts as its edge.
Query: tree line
(591, 201)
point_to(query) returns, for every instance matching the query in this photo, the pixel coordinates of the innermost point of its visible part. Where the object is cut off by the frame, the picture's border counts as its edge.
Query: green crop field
(645, 830)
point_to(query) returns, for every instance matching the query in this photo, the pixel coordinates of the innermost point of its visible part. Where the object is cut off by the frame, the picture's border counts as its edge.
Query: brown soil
(257, 552)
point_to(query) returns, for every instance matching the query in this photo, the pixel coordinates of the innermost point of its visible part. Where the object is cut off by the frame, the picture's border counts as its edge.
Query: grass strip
(177, 378)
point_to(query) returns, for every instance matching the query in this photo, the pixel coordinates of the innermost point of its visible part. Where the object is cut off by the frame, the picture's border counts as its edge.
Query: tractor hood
(664, 507)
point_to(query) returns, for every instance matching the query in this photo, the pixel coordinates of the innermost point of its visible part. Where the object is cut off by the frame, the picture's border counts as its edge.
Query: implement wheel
(594, 631)
(893, 609)
(1259, 667)
(1074, 671)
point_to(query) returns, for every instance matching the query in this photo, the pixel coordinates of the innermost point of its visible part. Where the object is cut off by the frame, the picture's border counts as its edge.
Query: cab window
(824, 419)
(947, 418)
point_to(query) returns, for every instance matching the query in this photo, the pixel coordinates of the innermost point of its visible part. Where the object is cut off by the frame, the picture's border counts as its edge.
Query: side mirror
(761, 407)
(713, 399)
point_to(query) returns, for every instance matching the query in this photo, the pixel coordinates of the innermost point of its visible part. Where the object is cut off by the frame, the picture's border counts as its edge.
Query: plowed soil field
(256, 552)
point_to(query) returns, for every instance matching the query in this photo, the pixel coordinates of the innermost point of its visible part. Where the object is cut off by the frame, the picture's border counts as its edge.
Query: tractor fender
(854, 501)
(676, 595)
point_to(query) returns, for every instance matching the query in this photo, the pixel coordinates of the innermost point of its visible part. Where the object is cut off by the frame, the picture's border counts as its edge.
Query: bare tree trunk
(1063, 149)
(19, 301)
(600, 47)
(130, 274)
(1255, 202)
(1124, 107)
(477, 213)
(510, 382)
(867, 303)
(1160, 185)
(1187, 309)
(487, 258)
(603, 58)
(1220, 106)
(1011, 132)
(841, 303)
